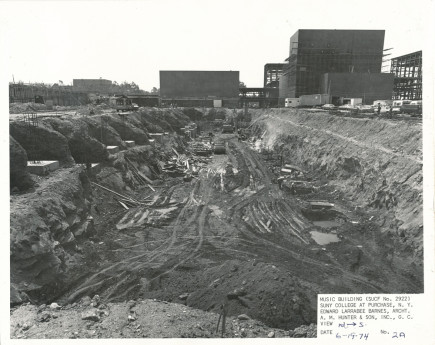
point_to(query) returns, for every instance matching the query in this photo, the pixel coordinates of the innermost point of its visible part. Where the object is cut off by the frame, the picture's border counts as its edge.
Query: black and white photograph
(208, 169)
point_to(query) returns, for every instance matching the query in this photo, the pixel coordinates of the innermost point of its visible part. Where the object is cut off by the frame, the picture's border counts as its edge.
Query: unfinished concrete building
(408, 74)
(316, 52)
(199, 88)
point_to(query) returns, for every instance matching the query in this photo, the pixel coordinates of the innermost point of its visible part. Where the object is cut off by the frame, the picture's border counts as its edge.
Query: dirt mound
(128, 131)
(260, 290)
(84, 148)
(193, 114)
(19, 177)
(159, 120)
(18, 108)
(41, 142)
(99, 129)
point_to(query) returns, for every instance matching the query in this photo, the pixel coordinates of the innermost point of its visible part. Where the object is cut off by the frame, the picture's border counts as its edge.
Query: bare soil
(238, 240)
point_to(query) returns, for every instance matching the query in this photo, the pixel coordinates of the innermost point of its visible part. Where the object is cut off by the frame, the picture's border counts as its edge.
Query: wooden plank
(145, 178)
(113, 192)
(123, 205)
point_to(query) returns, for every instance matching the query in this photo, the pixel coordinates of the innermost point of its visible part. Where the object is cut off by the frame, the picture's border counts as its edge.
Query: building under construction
(258, 97)
(272, 74)
(408, 74)
(313, 53)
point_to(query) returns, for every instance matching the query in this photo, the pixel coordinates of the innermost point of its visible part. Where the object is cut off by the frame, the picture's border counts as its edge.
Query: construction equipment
(219, 147)
(122, 103)
(320, 210)
(297, 187)
(244, 133)
(227, 129)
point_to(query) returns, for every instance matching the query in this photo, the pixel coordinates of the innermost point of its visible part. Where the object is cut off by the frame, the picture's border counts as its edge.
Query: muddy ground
(226, 238)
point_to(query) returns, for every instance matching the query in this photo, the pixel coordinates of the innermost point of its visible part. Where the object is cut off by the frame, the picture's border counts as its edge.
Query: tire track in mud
(282, 213)
(99, 278)
(318, 267)
(188, 233)
(199, 220)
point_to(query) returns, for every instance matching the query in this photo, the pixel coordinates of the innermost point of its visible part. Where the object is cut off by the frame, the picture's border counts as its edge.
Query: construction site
(204, 215)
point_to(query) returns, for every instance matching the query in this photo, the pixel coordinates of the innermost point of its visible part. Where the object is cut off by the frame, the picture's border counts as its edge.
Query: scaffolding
(408, 74)
(272, 73)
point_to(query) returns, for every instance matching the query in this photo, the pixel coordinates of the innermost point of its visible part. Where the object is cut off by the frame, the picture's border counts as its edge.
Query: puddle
(323, 239)
(326, 224)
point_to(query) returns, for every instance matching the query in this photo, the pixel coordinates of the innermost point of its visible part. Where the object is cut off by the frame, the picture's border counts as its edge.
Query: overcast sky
(132, 41)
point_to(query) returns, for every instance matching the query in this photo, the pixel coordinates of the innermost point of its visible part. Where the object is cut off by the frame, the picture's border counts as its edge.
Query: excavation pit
(224, 234)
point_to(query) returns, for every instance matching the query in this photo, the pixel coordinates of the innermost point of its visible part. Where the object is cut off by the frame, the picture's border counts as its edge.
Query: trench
(237, 237)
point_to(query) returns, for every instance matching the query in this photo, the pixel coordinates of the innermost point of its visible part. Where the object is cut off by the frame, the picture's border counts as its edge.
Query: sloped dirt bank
(42, 142)
(45, 226)
(52, 232)
(375, 164)
(79, 139)
(19, 177)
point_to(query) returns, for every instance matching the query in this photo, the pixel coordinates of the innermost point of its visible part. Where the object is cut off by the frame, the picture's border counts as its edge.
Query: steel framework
(408, 76)
(31, 121)
(272, 73)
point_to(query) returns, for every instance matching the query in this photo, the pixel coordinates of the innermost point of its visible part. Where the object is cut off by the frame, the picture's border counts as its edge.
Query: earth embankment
(377, 164)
